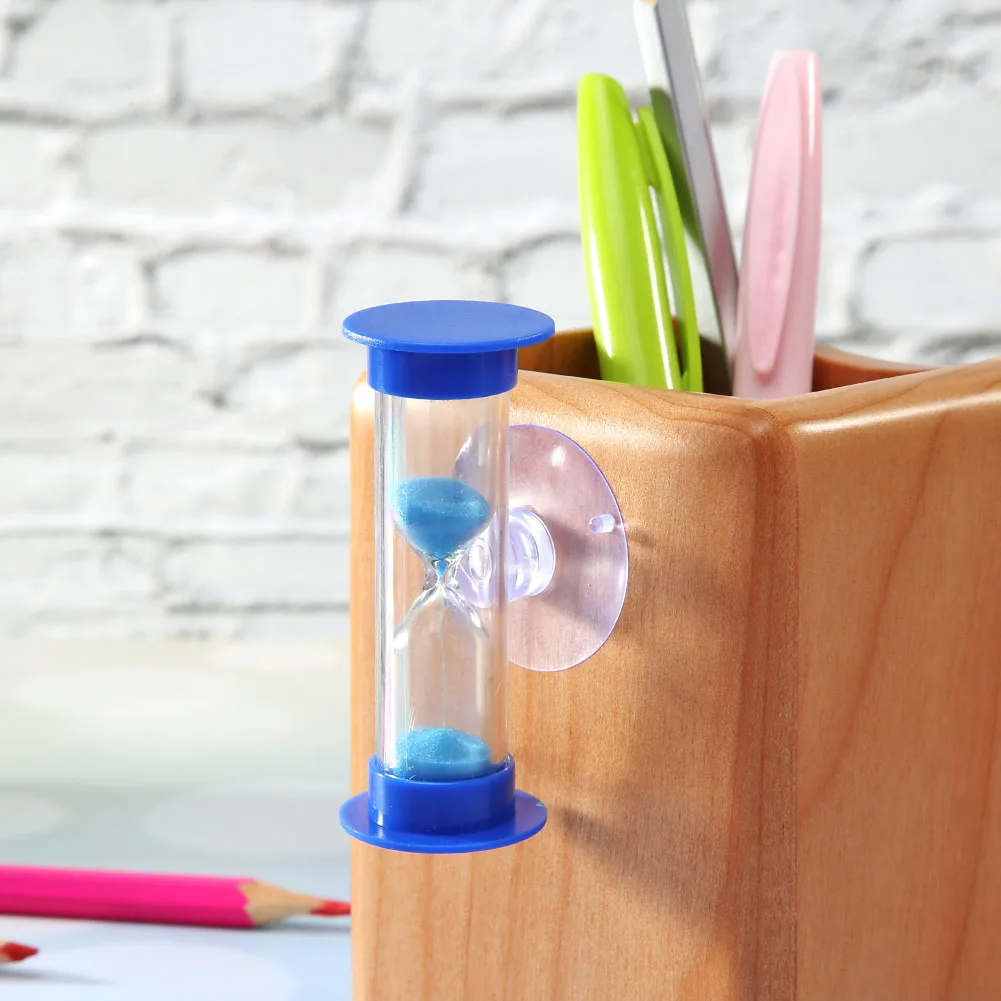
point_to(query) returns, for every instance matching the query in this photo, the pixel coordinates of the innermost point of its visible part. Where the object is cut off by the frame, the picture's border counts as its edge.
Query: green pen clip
(625, 185)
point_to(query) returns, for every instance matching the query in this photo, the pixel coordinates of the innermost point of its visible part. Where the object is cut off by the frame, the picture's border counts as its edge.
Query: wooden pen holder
(780, 778)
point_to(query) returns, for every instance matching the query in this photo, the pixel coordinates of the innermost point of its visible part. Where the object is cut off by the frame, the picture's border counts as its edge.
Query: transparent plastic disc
(581, 556)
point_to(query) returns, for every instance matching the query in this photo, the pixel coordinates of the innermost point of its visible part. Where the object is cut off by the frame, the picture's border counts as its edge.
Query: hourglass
(450, 556)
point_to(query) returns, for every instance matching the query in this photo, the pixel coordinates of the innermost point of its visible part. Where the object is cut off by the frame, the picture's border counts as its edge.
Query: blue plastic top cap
(445, 349)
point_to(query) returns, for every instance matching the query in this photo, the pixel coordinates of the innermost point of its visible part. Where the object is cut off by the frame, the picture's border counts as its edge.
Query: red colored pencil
(14, 952)
(209, 901)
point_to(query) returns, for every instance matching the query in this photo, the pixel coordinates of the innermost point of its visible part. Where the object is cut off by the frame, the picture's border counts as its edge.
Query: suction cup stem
(530, 564)
(567, 561)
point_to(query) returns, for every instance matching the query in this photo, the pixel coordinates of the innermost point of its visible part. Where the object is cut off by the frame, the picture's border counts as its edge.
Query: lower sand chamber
(442, 754)
(442, 374)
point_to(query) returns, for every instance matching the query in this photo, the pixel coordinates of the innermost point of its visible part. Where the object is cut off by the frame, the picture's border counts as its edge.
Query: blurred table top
(197, 757)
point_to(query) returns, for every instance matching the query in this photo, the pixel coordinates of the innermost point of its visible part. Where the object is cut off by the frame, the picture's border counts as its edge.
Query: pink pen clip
(780, 264)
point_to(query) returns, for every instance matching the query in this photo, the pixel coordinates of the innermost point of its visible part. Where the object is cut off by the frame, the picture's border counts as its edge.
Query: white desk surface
(224, 759)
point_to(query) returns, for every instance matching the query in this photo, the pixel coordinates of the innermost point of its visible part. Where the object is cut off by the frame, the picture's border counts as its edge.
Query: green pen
(631, 222)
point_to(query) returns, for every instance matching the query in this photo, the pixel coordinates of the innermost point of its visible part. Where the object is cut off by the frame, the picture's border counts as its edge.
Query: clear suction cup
(567, 559)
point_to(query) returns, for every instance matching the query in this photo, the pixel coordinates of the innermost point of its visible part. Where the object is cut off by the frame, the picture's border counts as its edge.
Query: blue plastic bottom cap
(445, 807)
(442, 818)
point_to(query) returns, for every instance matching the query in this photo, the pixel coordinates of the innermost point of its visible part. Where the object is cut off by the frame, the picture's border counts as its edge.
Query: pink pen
(780, 265)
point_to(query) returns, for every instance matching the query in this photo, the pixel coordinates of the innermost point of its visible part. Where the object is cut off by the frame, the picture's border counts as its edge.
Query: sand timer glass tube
(441, 779)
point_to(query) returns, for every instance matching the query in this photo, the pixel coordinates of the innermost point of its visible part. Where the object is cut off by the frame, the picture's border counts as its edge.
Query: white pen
(679, 108)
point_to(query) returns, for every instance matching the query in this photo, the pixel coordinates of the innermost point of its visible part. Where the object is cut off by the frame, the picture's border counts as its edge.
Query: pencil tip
(332, 909)
(14, 952)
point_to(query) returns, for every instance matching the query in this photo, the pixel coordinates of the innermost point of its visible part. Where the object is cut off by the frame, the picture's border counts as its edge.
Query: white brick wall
(194, 192)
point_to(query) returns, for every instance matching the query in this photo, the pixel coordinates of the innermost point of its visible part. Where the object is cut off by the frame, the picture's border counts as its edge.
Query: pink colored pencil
(208, 901)
(14, 952)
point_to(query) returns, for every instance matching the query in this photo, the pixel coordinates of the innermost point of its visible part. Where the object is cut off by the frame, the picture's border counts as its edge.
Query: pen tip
(332, 909)
(14, 952)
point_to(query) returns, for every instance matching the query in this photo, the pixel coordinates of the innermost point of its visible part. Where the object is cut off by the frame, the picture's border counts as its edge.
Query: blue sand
(441, 754)
(439, 515)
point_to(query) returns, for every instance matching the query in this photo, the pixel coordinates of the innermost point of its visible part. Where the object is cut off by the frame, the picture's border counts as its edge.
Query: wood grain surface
(899, 764)
(777, 779)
